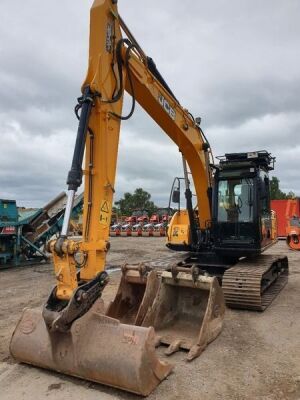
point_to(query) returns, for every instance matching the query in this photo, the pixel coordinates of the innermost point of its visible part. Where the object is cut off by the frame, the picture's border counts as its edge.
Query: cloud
(274, 133)
(30, 166)
(235, 64)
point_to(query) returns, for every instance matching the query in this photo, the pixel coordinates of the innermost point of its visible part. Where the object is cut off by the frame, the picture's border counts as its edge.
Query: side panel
(178, 237)
(283, 212)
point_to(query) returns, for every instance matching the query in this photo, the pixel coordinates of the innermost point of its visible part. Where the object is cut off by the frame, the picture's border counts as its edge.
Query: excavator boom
(115, 65)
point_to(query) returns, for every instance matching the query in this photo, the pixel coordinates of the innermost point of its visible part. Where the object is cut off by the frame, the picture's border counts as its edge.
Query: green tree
(291, 195)
(276, 193)
(139, 200)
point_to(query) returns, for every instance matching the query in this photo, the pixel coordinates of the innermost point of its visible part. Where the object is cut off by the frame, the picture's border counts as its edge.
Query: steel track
(253, 284)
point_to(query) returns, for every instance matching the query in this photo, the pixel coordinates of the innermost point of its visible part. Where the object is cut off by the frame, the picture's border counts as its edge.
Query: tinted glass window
(235, 200)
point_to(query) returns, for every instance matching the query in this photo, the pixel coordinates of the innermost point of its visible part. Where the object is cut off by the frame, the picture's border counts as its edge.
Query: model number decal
(166, 106)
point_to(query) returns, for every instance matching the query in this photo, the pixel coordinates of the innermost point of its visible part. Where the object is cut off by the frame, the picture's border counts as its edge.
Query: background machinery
(181, 306)
(136, 219)
(288, 220)
(139, 224)
(160, 219)
(137, 229)
(115, 229)
(285, 209)
(293, 224)
(292, 217)
(293, 233)
(25, 232)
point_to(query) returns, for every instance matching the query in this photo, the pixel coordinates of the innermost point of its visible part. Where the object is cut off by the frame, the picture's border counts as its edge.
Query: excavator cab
(242, 222)
(242, 219)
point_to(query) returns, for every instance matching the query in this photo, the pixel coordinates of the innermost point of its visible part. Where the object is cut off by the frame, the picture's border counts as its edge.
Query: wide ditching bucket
(188, 311)
(97, 348)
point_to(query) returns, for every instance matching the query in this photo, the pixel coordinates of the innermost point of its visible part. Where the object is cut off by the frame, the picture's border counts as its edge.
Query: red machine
(288, 221)
(160, 229)
(293, 233)
(160, 221)
(126, 229)
(137, 229)
(133, 225)
(131, 220)
(115, 230)
(148, 230)
(293, 224)
(285, 209)
(143, 218)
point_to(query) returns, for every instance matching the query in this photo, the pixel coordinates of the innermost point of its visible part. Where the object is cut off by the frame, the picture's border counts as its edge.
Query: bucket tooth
(97, 348)
(188, 311)
(194, 352)
(173, 347)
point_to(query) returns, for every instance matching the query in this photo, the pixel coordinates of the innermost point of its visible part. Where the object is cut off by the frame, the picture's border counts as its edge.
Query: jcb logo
(166, 106)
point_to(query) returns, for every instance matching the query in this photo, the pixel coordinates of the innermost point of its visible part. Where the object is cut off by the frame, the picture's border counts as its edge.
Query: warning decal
(104, 212)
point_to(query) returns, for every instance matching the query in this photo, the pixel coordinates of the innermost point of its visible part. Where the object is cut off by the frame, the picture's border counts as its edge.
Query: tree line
(138, 200)
(276, 193)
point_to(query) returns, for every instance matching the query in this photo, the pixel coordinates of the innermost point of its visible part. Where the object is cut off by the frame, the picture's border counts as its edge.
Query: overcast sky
(234, 63)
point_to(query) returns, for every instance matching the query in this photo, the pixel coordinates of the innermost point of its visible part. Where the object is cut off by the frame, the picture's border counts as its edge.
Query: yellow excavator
(224, 234)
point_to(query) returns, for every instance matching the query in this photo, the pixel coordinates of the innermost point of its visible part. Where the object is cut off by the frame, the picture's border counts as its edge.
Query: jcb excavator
(182, 305)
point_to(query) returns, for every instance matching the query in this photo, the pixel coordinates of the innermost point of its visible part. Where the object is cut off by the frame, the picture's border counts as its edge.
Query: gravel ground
(257, 355)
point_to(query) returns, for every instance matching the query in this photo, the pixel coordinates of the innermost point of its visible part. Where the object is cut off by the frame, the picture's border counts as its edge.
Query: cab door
(265, 214)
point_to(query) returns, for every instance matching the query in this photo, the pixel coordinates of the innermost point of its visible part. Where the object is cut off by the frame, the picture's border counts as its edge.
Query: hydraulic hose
(74, 179)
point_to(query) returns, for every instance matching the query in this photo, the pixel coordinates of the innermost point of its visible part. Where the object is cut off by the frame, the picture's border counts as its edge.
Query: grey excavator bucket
(97, 348)
(136, 293)
(188, 311)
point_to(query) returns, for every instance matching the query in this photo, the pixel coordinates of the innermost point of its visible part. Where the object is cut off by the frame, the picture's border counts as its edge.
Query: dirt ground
(257, 355)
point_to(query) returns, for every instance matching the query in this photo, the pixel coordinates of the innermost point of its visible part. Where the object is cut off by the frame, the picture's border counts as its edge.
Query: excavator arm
(117, 64)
